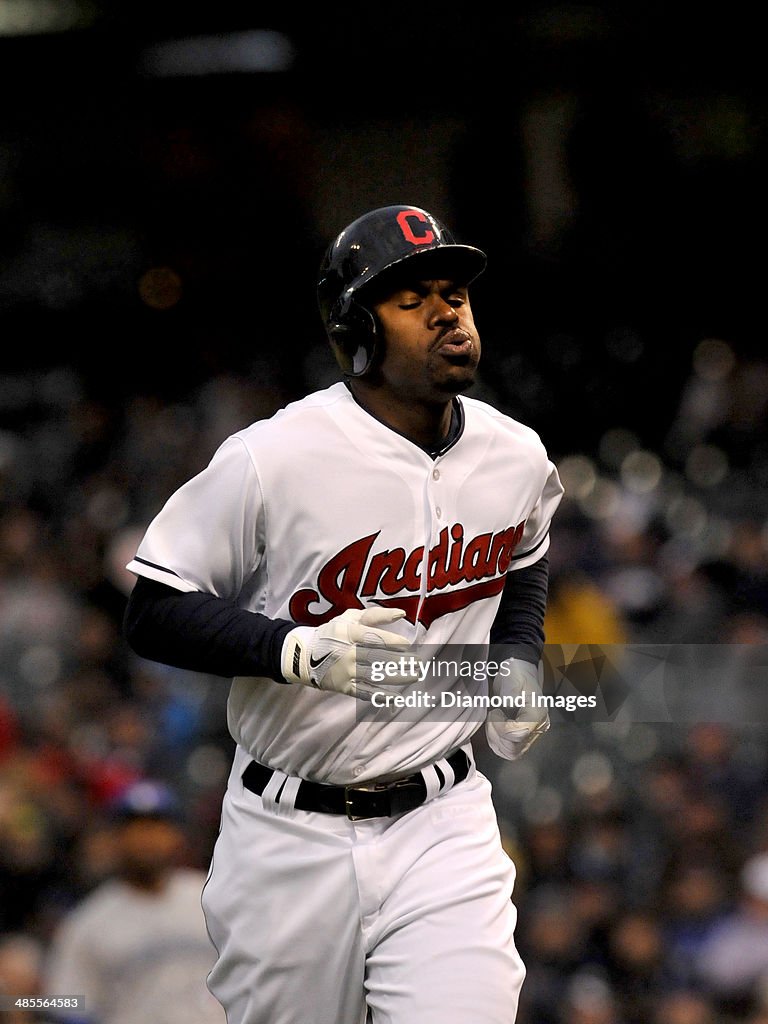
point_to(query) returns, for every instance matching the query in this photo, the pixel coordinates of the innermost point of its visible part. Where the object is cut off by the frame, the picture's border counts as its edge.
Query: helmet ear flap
(353, 336)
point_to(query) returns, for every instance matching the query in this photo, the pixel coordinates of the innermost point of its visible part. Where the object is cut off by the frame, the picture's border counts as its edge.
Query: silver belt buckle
(397, 787)
(374, 787)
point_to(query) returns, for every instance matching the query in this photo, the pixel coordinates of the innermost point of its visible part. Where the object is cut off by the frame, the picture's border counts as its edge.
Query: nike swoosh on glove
(512, 730)
(339, 654)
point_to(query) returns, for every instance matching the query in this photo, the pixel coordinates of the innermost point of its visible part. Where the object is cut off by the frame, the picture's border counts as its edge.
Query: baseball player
(359, 869)
(135, 948)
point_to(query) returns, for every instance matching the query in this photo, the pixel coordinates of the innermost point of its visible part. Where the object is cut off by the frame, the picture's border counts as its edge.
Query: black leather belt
(372, 800)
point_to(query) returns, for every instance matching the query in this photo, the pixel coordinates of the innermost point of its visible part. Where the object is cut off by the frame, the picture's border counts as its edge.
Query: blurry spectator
(602, 847)
(683, 1007)
(748, 555)
(551, 941)
(601, 861)
(714, 763)
(545, 852)
(580, 612)
(633, 580)
(733, 964)
(689, 813)
(21, 960)
(589, 999)
(693, 610)
(28, 850)
(9, 730)
(636, 963)
(662, 789)
(703, 829)
(136, 947)
(596, 901)
(748, 626)
(759, 1012)
(694, 902)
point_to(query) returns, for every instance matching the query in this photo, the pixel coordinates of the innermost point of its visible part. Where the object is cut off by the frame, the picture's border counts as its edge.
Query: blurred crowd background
(168, 181)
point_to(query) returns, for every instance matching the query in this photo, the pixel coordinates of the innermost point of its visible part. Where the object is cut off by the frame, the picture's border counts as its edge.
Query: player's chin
(455, 377)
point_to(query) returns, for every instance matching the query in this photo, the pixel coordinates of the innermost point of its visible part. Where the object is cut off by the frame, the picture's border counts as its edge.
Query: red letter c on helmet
(403, 220)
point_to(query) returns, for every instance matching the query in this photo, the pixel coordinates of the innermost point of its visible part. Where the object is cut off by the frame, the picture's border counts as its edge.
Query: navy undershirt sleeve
(202, 633)
(519, 621)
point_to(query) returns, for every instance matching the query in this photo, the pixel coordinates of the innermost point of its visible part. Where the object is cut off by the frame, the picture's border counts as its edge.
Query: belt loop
(271, 793)
(431, 781)
(286, 801)
(448, 775)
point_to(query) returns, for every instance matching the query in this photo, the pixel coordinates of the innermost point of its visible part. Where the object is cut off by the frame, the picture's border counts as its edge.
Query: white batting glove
(338, 655)
(513, 730)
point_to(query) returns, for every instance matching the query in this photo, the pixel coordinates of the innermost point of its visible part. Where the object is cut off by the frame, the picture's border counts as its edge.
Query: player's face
(431, 344)
(147, 847)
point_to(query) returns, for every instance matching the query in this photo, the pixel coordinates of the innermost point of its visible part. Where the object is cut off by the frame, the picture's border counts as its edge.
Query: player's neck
(151, 883)
(426, 424)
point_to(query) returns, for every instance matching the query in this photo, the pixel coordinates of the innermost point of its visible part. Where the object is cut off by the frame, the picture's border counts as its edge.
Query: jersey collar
(455, 430)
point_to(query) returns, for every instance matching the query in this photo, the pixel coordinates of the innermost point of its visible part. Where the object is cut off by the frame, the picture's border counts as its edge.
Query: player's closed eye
(454, 296)
(413, 300)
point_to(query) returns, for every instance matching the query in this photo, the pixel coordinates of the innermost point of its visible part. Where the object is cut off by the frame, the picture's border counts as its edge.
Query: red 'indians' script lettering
(354, 573)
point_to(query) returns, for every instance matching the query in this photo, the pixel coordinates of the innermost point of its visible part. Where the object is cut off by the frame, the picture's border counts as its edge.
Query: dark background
(159, 241)
(610, 159)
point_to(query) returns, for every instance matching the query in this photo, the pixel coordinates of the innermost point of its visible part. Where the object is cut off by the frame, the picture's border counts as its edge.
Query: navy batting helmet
(148, 798)
(377, 242)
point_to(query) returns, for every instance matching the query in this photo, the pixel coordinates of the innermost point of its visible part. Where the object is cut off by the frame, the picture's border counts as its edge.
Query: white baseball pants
(320, 920)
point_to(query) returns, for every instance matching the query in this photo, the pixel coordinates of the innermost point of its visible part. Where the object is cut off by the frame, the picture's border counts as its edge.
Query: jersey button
(438, 512)
(357, 771)
(435, 474)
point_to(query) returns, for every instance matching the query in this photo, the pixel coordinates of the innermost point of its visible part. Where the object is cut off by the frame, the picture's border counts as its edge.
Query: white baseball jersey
(322, 508)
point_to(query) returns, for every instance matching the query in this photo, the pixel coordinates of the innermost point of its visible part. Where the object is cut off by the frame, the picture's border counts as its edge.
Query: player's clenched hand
(512, 730)
(338, 655)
